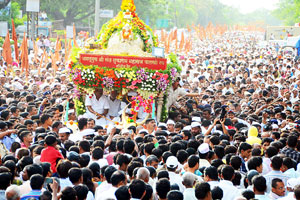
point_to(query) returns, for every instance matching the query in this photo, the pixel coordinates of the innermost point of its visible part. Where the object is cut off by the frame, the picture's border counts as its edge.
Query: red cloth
(50, 155)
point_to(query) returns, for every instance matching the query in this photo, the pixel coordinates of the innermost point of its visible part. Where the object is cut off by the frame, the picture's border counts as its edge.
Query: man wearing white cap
(172, 164)
(203, 151)
(71, 124)
(171, 126)
(64, 134)
(196, 128)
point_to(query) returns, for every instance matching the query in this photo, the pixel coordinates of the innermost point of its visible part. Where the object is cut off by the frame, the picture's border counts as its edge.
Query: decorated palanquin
(120, 58)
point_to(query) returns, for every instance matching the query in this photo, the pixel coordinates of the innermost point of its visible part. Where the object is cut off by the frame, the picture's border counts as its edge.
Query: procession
(198, 112)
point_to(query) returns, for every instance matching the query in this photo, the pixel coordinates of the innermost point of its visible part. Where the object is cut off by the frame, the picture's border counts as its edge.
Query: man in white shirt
(229, 190)
(211, 176)
(276, 164)
(175, 92)
(106, 185)
(288, 168)
(114, 105)
(118, 179)
(278, 189)
(227, 88)
(259, 187)
(97, 107)
(172, 164)
(189, 181)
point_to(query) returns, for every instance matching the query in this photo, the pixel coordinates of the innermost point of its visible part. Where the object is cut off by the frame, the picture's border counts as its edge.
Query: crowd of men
(232, 132)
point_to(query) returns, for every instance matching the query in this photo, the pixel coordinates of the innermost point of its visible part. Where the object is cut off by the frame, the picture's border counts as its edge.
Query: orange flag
(66, 48)
(167, 44)
(15, 39)
(176, 42)
(57, 49)
(188, 45)
(35, 50)
(24, 56)
(53, 61)
(175, 35)
(6, 53)
(74, 36)
(181, 41)
(162, 36)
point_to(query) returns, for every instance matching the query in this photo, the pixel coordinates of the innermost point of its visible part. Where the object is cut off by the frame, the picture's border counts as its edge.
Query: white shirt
(229, 190)
(176, 179)
(65, 182)
(189, 194)
(114, 107)
(173, 95)
(275, 174)
(102, 188)
(262, 197)
(213, 184)
(225, 90)
(291, 173)
(98, 105)
(204, 163)
(290, 196)
(25, 188)
(108, 194)
(267, 165)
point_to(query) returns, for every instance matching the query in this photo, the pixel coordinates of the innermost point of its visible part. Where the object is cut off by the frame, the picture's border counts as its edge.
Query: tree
(180, 13)
(15, 13)
(288, 11)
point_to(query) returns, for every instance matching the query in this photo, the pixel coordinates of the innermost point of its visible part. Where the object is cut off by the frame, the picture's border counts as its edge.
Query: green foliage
(15, 13)
(288, 11)
(60, 32)
(179, 13)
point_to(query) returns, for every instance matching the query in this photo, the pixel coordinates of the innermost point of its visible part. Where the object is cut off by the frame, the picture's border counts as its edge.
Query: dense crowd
(232, 131)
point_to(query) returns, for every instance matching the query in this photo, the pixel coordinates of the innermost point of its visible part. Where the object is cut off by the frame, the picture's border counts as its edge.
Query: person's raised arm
(54, 187)
(7, 133)
(225, 131)
(211, 127)
(110, 137)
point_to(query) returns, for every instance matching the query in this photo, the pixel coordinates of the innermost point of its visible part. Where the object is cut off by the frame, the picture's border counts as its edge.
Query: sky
(247, 6)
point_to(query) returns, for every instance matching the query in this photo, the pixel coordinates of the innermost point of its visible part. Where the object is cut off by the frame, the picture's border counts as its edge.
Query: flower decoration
(138, 27)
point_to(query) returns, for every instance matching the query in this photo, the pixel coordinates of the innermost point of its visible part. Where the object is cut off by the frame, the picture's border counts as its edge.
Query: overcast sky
(247, 6)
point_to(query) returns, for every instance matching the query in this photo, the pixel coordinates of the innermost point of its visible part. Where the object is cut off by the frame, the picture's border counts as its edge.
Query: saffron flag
(181, 41)
(66, 48)
(6, 53)
(74, 36)
(57, 49)
(35, 51)
(175, 34)
(24, 56)
(15, 39)
(53, 62)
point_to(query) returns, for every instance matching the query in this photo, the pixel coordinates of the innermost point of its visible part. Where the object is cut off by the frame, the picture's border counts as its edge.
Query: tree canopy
(179, 13)
(288, 11)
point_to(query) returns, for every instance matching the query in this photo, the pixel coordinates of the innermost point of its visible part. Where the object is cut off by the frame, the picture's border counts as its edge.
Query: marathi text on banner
(123, 61)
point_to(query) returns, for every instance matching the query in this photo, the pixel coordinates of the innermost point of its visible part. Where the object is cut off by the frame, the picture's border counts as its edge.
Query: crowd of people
(232, 131)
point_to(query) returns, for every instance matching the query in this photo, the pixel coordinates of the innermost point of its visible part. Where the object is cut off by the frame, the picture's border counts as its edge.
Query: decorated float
(121, 59)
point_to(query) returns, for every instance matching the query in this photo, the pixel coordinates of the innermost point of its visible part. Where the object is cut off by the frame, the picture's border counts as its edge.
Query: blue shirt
(32, 193)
